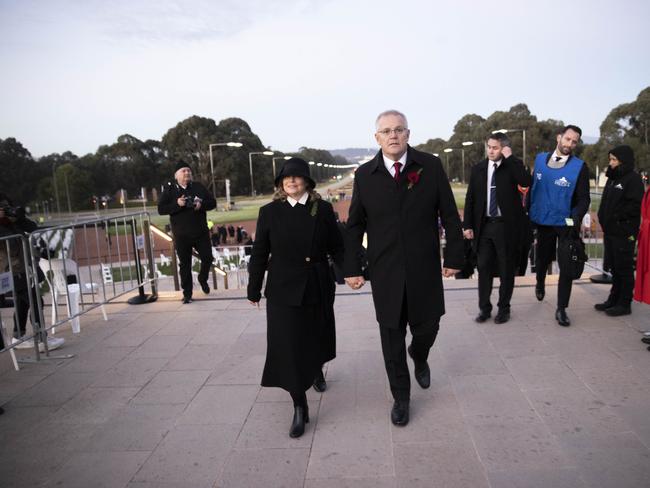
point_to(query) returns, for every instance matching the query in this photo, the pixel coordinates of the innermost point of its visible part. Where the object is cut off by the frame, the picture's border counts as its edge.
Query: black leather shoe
(539, 292)
(618, 310)
(422, 372)
(645, 340)
(482, 317)
(562, 318)
(187, 299)
(399, 415)
(204, 286)
(319, 382)
(300, 418)
(502, 317)
(601, 307)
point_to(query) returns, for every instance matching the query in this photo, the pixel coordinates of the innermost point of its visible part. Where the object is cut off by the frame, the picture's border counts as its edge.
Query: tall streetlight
(447, 151)
(281, 157)
(466, 144)
(56, 190)
(523, 131)
(229, 144)
(250, 165)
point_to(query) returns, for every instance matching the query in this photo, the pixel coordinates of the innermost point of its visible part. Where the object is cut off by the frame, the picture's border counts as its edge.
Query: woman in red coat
(642, 283)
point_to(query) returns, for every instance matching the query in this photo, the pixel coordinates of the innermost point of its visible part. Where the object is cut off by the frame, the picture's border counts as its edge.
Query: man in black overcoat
(398, 198)
(495, 220)
(186, 202)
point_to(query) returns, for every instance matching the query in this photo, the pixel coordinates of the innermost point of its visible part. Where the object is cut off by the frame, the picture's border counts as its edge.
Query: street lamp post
(523, 131)
(250, 165)
(229, 144)
(56, 189)
(280, 157)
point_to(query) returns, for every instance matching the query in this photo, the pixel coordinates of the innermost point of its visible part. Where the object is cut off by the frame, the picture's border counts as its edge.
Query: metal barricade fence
(592, 235)
(89, 264)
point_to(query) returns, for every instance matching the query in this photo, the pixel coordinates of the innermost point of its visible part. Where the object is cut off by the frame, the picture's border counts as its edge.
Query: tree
(18, 172)
(628, 124)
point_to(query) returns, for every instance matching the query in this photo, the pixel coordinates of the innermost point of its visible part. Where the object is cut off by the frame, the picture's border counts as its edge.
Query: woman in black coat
(296, 234)
(620, 216)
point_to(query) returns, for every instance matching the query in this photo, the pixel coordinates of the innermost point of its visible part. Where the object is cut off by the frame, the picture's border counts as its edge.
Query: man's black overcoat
(403, 230)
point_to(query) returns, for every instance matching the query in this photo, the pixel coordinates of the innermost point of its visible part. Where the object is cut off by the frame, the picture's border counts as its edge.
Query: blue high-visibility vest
(550, 197)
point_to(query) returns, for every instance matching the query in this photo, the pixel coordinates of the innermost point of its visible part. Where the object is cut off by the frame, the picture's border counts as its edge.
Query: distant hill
(355, 154)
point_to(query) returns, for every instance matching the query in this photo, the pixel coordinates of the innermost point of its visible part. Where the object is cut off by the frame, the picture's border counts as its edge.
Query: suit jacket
(402, 224)
(294, 246)
(510, 173)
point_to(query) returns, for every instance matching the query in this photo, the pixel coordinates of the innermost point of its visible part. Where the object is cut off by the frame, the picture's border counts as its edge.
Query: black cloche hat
(295, 167)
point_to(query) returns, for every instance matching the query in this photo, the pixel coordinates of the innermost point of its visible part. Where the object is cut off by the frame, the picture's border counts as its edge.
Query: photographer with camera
(14, 222)
(186, 202)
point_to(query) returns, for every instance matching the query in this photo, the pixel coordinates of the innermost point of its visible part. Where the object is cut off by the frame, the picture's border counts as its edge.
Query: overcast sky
(76, 74)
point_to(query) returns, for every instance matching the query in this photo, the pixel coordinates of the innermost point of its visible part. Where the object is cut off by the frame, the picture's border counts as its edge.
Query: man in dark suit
(495, 219)
(559, 199)
(398, 198)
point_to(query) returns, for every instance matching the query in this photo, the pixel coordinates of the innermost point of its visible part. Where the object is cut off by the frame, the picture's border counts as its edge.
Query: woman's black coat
(294, 244)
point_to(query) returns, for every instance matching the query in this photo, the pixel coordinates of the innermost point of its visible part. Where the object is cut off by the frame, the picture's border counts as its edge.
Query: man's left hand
(449, 272)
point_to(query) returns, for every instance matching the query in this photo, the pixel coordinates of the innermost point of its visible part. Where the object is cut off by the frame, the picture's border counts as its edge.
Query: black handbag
(571, 255)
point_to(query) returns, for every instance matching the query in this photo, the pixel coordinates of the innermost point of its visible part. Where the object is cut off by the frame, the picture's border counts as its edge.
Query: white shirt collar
(302, 200)
(390, 162)
(498, 163)
(562, 157)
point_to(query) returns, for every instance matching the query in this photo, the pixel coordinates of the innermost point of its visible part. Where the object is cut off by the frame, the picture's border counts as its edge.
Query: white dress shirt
(489, 180)
(389, 163)
(302, 200)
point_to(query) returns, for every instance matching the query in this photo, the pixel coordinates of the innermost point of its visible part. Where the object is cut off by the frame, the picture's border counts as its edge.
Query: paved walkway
(165, 395)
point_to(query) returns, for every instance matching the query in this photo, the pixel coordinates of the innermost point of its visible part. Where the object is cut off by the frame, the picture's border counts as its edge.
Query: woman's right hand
(254, 303)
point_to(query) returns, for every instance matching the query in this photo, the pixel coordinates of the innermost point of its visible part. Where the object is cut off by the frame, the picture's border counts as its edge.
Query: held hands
(355, 282)
(254, 304)
(468, 234)
(449, 272)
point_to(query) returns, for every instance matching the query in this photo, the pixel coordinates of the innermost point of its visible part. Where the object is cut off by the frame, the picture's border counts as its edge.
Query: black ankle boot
(319, 382)
(300, 418)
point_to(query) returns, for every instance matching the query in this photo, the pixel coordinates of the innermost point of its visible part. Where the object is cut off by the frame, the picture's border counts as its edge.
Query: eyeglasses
(397, 130)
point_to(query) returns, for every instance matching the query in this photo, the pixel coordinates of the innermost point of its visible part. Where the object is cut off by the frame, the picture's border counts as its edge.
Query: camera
(13, 212)
(191, 201)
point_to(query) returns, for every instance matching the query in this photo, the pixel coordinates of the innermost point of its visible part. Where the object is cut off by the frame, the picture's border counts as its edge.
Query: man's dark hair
(574, 128)
(503, 139)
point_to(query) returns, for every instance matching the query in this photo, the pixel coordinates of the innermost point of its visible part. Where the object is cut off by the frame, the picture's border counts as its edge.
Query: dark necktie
(493, 212)
(557, 158)
(397, 167)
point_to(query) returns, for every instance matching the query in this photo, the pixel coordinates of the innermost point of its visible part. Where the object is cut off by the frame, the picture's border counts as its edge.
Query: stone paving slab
(167, 396)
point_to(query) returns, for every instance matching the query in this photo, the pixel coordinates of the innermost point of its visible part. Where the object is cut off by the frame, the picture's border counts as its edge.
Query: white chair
(107, 275)
(164, 260)
(55, 271)
(226, 253)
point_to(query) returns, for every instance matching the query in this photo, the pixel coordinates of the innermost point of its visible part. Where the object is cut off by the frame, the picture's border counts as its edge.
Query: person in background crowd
(495, 219)
(559, 200)
(13, 221)
(296, 235)
(619, 216)
(186, 202)
(642, 283)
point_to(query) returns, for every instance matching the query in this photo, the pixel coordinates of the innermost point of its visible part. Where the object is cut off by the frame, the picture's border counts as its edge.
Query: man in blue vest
(559, 200)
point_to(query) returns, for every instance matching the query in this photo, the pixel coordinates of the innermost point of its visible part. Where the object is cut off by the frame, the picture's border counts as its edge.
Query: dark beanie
(180, 165)
(624, 154)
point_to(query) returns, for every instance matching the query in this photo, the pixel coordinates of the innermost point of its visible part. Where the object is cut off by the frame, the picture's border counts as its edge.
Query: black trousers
(184, 247)
(21, 309)
(620, 252)
(492, 252)
(393, 348)
(547, 237)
